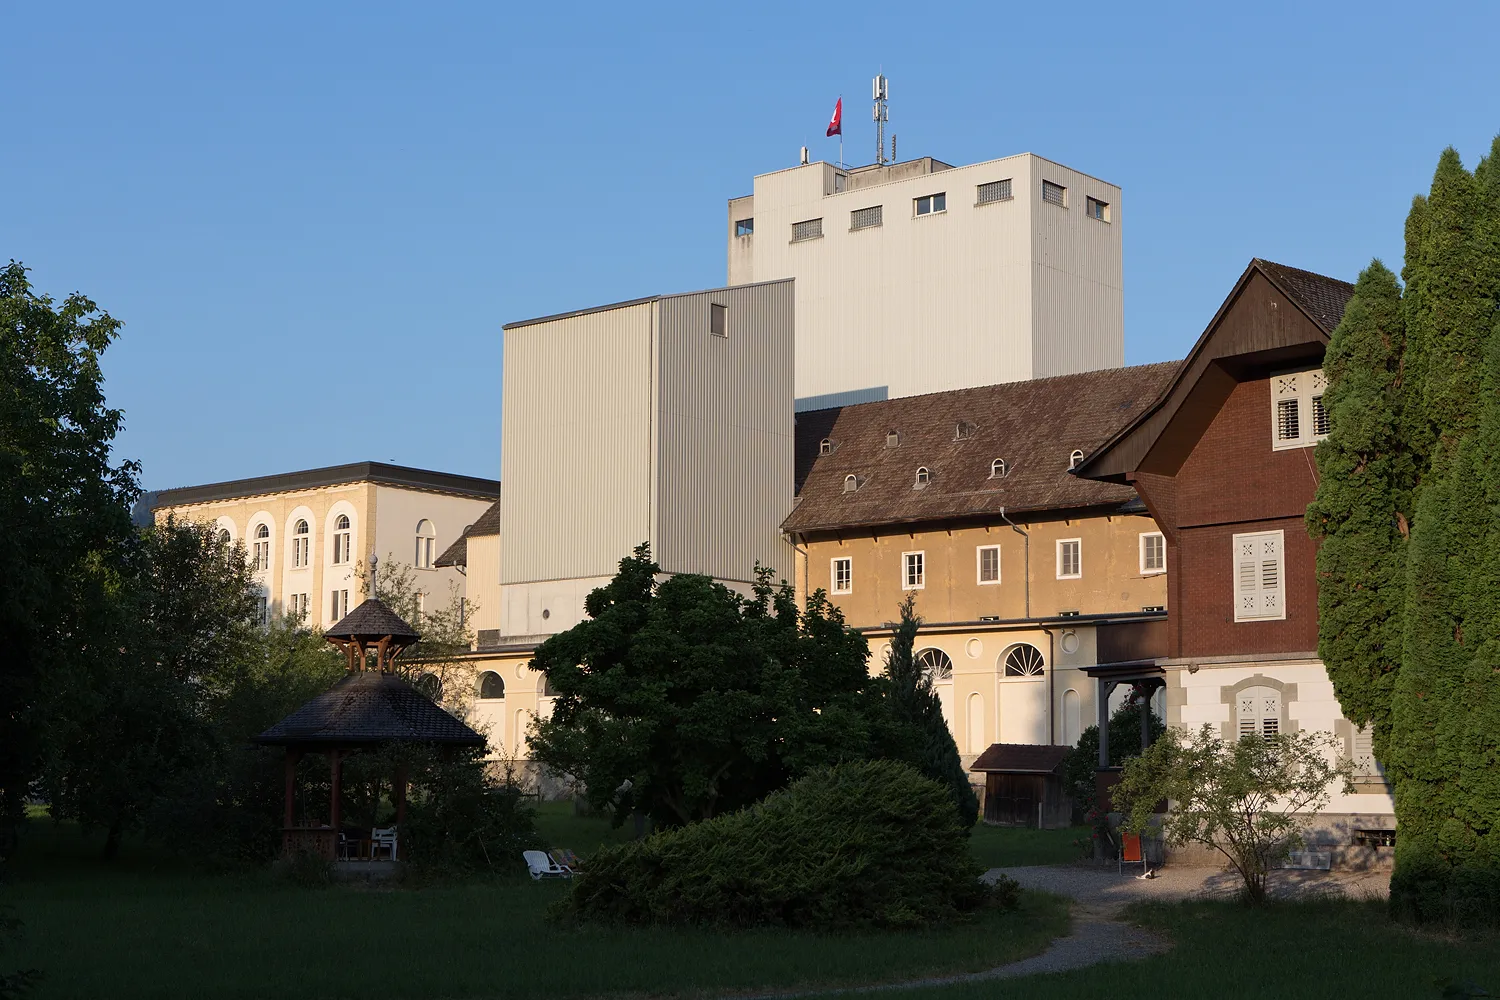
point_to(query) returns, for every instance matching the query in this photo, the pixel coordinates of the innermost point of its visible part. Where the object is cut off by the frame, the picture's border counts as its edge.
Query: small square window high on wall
(932, 204)
(1054, 194)
(744, 227)
(1098, 209)
(718, 320)
(809, 229)
(994, 191)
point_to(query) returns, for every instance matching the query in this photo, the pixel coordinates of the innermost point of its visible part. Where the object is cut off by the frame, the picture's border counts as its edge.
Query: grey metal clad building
(666, 420)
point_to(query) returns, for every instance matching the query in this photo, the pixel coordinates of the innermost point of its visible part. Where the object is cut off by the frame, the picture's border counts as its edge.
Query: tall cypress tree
(1438, 763)
(1363, 505)
(919, 714)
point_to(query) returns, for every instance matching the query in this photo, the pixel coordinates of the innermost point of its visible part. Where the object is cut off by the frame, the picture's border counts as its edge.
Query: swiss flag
(835, 124)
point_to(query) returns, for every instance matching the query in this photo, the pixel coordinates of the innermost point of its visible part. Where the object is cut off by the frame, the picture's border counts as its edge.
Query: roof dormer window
(963, 430)
(825, 447)
(998, 469)
(851, 483)
(1075, 459)
(892, 439)
(923, 478)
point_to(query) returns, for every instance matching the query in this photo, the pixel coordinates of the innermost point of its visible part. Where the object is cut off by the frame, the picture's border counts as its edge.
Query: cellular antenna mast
(880, 91)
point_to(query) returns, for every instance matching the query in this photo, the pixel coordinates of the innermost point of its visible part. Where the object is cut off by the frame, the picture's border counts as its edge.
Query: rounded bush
(863, 844)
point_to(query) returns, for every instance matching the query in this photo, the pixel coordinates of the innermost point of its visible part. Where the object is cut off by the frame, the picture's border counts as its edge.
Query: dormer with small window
(826, 446)
(851, 483)
(998, 469)
(963, 430)
(892, 439)
(922, 480)
(1074, 459)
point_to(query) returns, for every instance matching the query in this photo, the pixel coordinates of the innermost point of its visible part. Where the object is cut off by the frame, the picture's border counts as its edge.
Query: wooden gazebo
(370, 707)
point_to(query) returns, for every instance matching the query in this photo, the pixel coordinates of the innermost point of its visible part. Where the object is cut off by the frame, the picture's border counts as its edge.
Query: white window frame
(343, 539)
(426, 545)
(1153, 570)
(260, 548)
(1253, 554)
(906, 574)
(979, 552)
(1069, 576)
(833, 575)
(302, 545)
(931, 200)
(1302, 392)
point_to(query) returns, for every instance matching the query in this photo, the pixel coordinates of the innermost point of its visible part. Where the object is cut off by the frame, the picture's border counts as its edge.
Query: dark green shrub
(867, 843)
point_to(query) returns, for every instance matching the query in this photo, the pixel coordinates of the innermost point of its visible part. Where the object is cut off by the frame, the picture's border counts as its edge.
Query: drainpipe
(1018, 530)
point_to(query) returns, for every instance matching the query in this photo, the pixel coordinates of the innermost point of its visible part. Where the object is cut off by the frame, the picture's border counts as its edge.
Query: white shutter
(1258, 712)
(1259, 576)
(1364, 751)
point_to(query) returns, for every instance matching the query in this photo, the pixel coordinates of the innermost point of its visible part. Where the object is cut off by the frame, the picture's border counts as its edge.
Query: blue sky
(314, 220)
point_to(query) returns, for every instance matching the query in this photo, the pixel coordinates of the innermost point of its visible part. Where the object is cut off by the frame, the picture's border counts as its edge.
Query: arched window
(426, 540)
(1075, 458)
(1024, 660)
(997, 469)
(430, 685)
(1258, 712)
(548, 691)
(224, 536)
(491, 686)
(825, 447)
(851, 483)
(923, 478)
(260, 552)
(936, 663)
(300, 541)
(343, 540)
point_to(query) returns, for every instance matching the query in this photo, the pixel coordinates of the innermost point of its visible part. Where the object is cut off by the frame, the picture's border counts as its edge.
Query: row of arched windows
(1021, 660)
(343, 543)
(491, 687)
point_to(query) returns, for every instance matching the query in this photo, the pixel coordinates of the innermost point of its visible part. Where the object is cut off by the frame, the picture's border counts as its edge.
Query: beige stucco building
(921, 276)
(307, 534)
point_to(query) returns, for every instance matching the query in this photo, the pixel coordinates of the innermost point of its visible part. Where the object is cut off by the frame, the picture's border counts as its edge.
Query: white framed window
(841, 573)
(851, 483)
(913, 570)
(718, 320)
(426, 542)
(986, 194)
(1054, 194)
(343, 539)
(1298, 417)
(1153, 553)
(1259, 576)
(932, 204)
(923, 477)
(825, 447)
(262, 610)
(988, 559)
(866, 218)
(260, 549)
(338, 605)
(301, 540)
(1097, 209)
(1069, 558)
(997, 469)
(296, 607)
(809, 229)
(1258, 712)
(893, 439)
(1074, 458)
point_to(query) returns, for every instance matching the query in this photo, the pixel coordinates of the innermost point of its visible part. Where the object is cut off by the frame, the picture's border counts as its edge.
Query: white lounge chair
(544, 867)
(383, 841)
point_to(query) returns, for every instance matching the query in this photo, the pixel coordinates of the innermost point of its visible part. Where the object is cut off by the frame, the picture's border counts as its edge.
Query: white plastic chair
(383, 839)
(542, 866)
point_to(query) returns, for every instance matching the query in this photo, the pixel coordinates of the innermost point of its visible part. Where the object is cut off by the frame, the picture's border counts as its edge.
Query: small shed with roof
(370, 707)
(1024, 785)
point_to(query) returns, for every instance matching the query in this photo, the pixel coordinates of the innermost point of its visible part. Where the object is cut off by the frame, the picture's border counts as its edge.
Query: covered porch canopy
(1145, 674)
(370, 707)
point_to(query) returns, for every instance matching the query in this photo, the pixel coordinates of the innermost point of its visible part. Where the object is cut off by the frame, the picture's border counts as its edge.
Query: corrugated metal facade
(577, 459)
(974, 295)
(725, 436)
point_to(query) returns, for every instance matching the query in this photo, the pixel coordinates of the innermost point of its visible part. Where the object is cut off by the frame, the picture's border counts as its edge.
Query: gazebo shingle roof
(365, 708)
(373, 619)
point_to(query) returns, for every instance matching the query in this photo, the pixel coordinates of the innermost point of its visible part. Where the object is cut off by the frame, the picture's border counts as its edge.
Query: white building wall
(975, 295)
(397, 512)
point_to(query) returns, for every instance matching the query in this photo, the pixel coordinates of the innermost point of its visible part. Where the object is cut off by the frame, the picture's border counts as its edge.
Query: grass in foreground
(1290, 951)
(147, 928)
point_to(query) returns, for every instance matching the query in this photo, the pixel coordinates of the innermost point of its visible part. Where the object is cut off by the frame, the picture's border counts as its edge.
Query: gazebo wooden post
(291, 786)
(336, 772)
(400, 809)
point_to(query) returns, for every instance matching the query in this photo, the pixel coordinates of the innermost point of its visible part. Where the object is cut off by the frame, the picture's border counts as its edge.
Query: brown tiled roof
(368, 707)
(1034, 426)
(1021, 758)
(1321, 297)
(457, 554)
(372, 619)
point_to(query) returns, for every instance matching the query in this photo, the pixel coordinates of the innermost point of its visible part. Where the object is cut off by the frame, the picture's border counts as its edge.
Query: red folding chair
(1132, 852)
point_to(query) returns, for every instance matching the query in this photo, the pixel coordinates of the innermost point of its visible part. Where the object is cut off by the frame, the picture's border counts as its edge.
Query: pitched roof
(1033, 425)
(369, 707)
(457, 554)
(1321, 297)
(373, 618)
(1021, 758)
(333, 475)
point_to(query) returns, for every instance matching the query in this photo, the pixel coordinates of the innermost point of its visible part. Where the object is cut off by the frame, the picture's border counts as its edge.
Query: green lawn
(145, 927)
(1003, 846)
(1291, 951)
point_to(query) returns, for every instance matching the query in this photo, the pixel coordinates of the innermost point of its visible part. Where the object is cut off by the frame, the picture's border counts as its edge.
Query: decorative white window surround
(913, 570)
(841, 575)
(987, 564)
(1069, 558)
(1298, 417)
